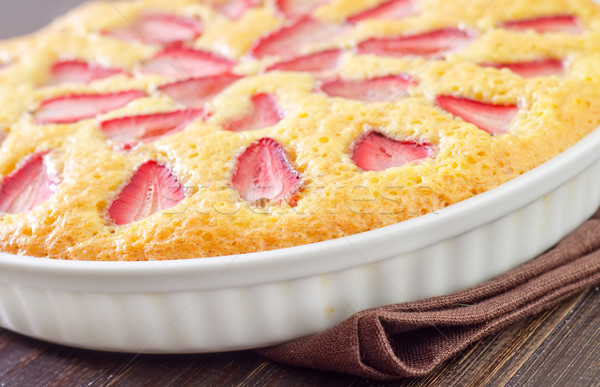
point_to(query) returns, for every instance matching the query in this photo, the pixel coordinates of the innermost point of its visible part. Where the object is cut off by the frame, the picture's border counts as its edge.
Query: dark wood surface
(559, 347)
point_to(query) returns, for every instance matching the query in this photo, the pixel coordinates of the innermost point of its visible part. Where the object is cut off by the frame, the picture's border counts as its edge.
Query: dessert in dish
(184, 129)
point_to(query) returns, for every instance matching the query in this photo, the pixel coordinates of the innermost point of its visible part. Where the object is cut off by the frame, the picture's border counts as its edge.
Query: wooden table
(560, 347)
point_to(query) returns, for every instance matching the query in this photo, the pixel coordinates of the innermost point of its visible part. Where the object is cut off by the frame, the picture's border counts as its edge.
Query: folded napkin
(412, 339)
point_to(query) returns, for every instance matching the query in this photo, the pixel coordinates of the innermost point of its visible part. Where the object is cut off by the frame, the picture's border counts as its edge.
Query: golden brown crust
(337, 198)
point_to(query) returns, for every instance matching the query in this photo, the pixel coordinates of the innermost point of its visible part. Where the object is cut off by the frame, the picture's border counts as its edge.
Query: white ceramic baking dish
(253, 300)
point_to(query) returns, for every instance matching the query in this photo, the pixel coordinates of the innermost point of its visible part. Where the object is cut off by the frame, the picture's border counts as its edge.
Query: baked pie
(150, 130)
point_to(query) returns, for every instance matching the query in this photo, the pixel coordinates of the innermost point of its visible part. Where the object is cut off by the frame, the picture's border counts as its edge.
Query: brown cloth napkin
(412, 339)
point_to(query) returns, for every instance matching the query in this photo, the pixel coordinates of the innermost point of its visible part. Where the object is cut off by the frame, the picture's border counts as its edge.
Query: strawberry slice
(318, 64)
(79, 72)
(130, 131)
(494, 119)
(537, 68)
(559, 23)
(26, 187)
(235, 9)
(195, 92)
(394, 9)
(158, 28)
(181, 63)
(294, 37)
(76, 107)
(378, 89)
(292, 8)
(264, 113)
(427, 45)
(152, 189)
(264, 172)
(377, 152)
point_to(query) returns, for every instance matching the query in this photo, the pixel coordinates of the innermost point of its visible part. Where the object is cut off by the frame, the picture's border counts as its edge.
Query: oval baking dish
(258, 299)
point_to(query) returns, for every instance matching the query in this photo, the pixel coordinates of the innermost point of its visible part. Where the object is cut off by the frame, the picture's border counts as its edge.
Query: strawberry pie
(152, 130)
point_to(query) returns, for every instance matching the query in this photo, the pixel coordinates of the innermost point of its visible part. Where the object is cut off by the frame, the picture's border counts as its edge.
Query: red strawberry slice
(79, 72)
(26, 187)
(377, 152)
(264, 172)
(292, 38)
(291, 8)
(378, 89)
(494, 119)
(195, 92)
(180, 63)
(318, 64)
(264, 113)
(427, 45)
(559, 23)
(152, 189)
(537, 68)
(234, 9)
(159, 28)
(76, 107)
(129, 131)
(394, 9)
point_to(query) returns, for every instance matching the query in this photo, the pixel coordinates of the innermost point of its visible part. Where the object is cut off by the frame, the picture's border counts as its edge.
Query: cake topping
(393, 9)
(379, 89)
(195, 92)
(152, 189)
(291, 39)
(180, 63)
(159, 28)
(129, 131)
(79, 72)
(291, 8)
(537, 68)
(27, 186)
(76, 107)
(428, 44)
(377, 152)
(234, 9)
(494, 119)
(264, 113)
(318, 64)
(263, 172)
(559, 23)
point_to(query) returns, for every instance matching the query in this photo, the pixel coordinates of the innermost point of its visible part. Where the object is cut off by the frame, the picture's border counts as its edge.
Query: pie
(152, 130)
